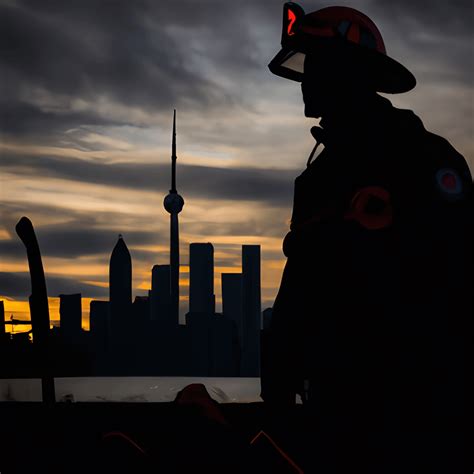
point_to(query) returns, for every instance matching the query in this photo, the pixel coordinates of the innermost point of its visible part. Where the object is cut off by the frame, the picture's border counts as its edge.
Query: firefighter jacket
(375, 302)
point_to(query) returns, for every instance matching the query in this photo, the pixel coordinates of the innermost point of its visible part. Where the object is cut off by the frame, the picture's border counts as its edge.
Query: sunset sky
(87, 95)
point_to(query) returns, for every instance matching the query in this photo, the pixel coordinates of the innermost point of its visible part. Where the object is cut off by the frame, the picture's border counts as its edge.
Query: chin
(309, 112)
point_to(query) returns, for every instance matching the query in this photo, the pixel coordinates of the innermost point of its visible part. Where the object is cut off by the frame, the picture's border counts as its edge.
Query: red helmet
(340, 30)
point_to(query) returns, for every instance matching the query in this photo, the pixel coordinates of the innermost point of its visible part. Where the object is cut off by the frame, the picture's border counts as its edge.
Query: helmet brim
(386, 74)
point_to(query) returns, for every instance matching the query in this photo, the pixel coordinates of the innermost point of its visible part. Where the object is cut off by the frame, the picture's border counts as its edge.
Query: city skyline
(85, 145)
(143, 335)
(167, 309)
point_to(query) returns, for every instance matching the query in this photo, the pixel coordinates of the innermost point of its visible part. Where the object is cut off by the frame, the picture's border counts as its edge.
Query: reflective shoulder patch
(449, 183)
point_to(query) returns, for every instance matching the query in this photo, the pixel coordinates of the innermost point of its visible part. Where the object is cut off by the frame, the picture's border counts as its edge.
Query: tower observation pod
(173, 204)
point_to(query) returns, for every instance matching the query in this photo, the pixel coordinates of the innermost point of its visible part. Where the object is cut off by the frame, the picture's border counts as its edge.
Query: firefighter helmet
(343, 32)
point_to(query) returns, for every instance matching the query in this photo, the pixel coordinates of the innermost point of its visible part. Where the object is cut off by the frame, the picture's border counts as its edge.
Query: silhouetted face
(317, 96)
(330, 85)
(322, 86)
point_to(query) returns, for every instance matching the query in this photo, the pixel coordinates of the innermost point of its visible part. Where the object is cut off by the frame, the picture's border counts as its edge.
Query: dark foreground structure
(182, 438)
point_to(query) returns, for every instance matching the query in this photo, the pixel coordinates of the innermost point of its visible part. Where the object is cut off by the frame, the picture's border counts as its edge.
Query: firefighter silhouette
(372, 318)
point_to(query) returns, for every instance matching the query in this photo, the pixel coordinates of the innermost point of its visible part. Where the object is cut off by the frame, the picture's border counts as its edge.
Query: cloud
(82, 241)
(90, 63)
(79, 237)
(445, 18)
(63, 61)
(270, 224)
(434, 37)
(73, 239)
(243, 184)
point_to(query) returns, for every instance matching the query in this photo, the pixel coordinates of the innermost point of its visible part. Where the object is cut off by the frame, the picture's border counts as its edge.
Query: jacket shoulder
(437, 152)
(449, 159)
(429, 167)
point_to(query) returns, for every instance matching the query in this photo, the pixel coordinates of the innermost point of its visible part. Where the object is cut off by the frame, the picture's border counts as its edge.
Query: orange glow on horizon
(21, 310)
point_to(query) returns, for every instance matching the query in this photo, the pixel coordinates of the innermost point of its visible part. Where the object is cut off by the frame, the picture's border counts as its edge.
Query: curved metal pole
(38, 306)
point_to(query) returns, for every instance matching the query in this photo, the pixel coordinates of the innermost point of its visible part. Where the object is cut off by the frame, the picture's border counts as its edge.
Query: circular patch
(371, 207)
(449, 182)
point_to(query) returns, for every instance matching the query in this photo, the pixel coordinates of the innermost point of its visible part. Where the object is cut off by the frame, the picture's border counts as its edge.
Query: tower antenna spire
(173, 156)
(174, 204)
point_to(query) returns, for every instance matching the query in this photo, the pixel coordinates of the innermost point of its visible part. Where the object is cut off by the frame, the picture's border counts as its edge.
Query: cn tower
(174, 203)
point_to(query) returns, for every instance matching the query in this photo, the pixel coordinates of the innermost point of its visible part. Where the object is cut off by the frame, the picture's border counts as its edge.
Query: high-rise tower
(120, 286)
(160, 295)
(174, 203)
(2, 322)
(70, 315)
(252, 311)
(201, 278)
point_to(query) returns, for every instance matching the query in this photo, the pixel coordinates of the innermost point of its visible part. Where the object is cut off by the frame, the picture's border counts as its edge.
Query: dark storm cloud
(12, 211)
(447, 19)
(75, 239)
(17, 285)
(247, 184)
(79, 234)
(91, 48)
(156, 55)
(434, 36)
(20, 118)
(130, 53)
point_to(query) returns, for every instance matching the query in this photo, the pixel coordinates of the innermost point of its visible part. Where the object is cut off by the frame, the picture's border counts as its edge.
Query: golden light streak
(13, 266)
(150, 248)
(101, 284)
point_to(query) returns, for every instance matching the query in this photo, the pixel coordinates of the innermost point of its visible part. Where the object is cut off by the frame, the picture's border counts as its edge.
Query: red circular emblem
(371, 207)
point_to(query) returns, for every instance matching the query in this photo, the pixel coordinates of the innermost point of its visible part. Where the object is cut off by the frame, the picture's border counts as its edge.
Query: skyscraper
(70, 315)
(201, 278)
(251, 303)
(160, 295)
(174, 203)
(99, 323)
(267, 317)
(120, 287)
(232, 300)
(2, 319)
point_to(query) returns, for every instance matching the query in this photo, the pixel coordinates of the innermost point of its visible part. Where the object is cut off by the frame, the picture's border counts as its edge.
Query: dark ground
(69, 438)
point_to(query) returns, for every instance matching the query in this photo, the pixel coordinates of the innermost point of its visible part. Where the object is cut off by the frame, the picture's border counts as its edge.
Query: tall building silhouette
(99, 323)
(225, 348)
(199, 328)
(201, 278)
(267, 317)
(160, 295)
(70, 315)
(232, 303)
(120, 287)
(212, 345)
(2, 319)
(251, 304)
(141, 312)
(174, 203)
